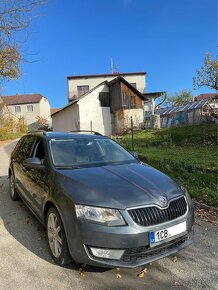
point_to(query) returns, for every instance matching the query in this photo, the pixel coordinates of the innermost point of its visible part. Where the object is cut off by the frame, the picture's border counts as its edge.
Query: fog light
(107, 253)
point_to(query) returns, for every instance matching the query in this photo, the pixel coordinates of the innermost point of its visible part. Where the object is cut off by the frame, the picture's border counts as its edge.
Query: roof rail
(88, 131)
(38, 131)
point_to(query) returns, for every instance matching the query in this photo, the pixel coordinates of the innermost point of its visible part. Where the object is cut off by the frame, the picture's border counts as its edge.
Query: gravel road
(25, 263)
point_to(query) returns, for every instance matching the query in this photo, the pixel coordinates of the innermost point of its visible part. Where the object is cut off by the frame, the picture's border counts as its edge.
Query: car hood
(120, 186)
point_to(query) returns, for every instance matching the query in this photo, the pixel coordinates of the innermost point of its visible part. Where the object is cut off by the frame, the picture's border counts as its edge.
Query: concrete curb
(198, 204)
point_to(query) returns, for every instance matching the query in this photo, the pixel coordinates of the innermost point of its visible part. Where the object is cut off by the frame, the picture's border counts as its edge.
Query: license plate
(164, 234)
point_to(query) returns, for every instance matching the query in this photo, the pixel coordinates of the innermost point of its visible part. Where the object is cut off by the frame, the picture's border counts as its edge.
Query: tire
(13, 193)
(56, 237)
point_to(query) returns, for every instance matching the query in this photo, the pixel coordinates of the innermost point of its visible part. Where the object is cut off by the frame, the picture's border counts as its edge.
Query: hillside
(188, 154)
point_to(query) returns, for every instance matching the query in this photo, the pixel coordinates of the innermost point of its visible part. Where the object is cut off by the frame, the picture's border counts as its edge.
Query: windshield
(88, 152)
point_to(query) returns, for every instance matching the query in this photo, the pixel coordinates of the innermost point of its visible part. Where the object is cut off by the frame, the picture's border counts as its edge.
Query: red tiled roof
(206, 97)
(2, 104)
(106, 75)
(54, 110)
(22, 99)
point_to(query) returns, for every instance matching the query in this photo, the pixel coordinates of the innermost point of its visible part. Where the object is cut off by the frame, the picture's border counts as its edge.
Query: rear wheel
(13, 193)
(56, 236)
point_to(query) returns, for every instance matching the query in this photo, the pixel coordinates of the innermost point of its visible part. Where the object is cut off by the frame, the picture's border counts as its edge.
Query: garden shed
(192, 113)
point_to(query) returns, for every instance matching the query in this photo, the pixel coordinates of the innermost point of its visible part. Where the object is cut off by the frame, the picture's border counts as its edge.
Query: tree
(207, 76)
(178, 98)
(14, 17)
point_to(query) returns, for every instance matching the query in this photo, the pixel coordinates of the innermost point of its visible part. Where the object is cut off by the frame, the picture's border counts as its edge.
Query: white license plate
(164, 234)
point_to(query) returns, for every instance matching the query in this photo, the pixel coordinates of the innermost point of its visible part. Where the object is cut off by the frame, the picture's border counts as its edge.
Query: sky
(168, 39)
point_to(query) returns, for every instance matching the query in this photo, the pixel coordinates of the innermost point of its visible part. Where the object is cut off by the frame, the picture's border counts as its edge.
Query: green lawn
(188, 154)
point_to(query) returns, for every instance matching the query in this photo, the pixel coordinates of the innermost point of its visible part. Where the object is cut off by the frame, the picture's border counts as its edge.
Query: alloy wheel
(54, 235)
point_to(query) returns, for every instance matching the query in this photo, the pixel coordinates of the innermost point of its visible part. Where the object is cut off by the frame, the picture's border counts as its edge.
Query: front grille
(135, 254)
(153, 215)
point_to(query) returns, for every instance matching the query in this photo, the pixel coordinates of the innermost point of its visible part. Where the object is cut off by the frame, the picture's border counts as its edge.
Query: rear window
(82, 152)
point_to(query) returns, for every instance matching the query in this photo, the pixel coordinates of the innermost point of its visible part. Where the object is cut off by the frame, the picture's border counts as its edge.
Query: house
(28, 106)
(103, 103)
(210, 97)
(149, 104)
(79, 85)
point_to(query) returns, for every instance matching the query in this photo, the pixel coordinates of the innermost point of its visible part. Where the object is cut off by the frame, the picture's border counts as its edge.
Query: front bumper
(133, 239)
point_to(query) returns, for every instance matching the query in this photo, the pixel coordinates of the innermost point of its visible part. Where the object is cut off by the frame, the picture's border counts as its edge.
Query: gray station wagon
(100, 205)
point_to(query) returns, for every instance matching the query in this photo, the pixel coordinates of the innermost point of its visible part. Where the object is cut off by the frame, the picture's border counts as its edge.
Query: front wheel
(13, 193)
(56, 236)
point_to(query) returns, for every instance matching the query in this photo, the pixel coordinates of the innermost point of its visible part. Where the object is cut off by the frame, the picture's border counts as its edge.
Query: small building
(28, 106)
(192, 113)
(107, 107)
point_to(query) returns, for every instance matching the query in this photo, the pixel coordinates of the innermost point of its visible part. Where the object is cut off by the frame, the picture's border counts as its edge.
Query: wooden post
(132, 134)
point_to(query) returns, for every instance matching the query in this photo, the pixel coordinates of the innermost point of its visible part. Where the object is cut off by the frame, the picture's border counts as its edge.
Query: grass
(9, 136)
(188, 154)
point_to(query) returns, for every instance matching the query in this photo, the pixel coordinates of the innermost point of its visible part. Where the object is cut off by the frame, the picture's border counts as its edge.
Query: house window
(128, 100)
(30, 108)
(81, 90)
(133, 85)
(104, 99)
(17, 109)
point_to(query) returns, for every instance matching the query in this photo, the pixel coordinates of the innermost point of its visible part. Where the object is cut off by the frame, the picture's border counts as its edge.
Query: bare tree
(207, 76)
(15, 16)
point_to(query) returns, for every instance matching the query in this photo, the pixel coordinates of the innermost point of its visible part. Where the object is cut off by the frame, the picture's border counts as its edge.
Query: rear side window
(39, 150)
(26, 149)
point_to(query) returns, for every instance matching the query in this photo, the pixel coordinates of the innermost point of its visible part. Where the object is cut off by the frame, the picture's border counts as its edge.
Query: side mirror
(33, 163)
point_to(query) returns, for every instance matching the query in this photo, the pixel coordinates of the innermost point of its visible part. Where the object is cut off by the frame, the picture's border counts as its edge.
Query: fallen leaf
(142, 273)
(174, 259)
(82, 273)
(118, 276)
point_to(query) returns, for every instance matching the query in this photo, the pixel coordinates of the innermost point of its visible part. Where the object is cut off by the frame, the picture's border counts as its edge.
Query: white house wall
(94, 81)
(92, 115)
(45, 109)
(29, 116)
(67, 119)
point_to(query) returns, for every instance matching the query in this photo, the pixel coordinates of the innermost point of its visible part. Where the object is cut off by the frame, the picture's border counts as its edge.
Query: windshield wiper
(67, 167)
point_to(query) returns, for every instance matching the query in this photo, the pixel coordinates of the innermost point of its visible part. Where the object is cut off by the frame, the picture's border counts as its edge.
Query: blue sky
(166, 38)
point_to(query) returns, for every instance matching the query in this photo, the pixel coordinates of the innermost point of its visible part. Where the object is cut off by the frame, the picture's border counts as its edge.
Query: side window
(26, 149)
(39, 151)
(20, 143)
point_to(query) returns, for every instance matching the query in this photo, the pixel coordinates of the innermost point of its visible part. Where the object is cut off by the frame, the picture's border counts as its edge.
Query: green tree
(178, 98)
(207, 76)
(15, 17)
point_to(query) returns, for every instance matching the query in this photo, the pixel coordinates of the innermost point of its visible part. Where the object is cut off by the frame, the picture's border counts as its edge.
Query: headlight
(105, 216)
